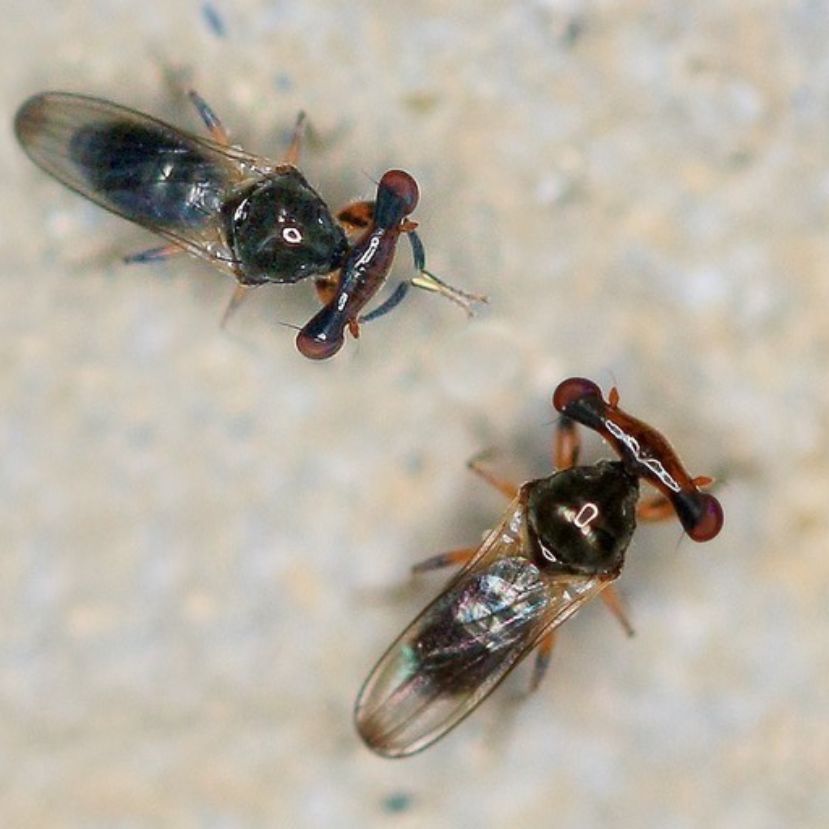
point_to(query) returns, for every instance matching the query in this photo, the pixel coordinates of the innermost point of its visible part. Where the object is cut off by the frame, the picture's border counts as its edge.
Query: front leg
(214, 125)
(356, 216)
(428, 281)
(292, 154)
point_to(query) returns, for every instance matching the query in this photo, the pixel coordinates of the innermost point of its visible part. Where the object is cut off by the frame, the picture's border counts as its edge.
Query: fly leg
(542, 659)
(168, 251)
(356, 216)
(655, 508)
(220, 135)
(463, 555)
(566, 444)
(291, 155)
(214, 125)
(476, 464)
(659, 508)
(545, 647)
(153, 255)
(394, 299)
(427, 281)
(238, 295)
(613, 602)
(451, 558)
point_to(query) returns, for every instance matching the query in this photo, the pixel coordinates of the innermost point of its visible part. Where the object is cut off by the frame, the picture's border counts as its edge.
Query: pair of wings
(47, 124)
(454, 654)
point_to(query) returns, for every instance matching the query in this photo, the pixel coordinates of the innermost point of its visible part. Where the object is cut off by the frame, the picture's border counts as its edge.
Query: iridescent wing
(168, 181)
(466, 641)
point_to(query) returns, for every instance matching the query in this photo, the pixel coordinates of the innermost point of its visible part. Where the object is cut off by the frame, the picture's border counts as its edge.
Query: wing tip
(379, 740)
(30, 117)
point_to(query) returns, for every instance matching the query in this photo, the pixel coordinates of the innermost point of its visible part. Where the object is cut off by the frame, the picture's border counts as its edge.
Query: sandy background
(206, 538)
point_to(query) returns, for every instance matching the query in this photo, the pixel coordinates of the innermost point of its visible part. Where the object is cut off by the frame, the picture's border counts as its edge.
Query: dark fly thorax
(280, 230)
(149, 174)
(579, 521)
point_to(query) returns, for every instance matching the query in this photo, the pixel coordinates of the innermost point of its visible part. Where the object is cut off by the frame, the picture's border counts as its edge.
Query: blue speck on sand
(213, 19)
(397, 802)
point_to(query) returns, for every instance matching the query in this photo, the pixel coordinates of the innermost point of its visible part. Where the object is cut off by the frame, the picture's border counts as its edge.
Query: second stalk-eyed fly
(256, 219)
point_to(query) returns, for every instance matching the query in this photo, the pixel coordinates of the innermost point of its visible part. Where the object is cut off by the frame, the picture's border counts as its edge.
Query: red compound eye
(572, 390)
(403, 187)
(317, 348)
(710, 520)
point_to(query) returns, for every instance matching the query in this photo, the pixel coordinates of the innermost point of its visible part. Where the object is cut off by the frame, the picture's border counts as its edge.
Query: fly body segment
(561, 542)
(258, 220)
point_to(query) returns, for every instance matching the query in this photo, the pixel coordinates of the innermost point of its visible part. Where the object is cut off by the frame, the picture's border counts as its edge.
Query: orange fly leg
(542, 659)
(356, 216)
(451, 558)
(476, 465)
(566, 444)
(153, 254)
(613, 602)
(214, 125)
(655, 508)
(292, 154)
(239, 293)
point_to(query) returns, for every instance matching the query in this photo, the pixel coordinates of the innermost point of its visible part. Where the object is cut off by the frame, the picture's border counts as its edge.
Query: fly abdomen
(470, 629)
(148, 174)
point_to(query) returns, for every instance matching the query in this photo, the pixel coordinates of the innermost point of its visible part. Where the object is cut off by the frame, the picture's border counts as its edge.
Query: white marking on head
(651, 464)
(585, 516)
(291, 235)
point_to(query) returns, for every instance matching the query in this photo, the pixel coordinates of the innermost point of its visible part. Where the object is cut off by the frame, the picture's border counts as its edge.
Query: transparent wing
(465, 642)
(168, 181)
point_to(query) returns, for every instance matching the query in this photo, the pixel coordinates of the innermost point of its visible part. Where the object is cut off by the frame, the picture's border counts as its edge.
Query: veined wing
(168, 181)
(465, 642)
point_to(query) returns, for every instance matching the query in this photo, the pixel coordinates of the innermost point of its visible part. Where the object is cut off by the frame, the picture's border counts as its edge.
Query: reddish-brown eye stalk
(645, 451)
